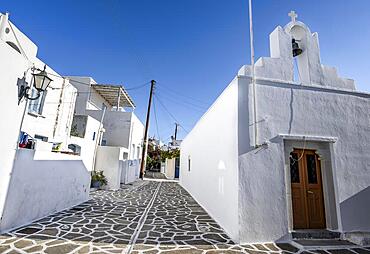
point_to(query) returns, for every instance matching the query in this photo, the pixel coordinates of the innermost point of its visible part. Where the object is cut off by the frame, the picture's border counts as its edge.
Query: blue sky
(193, 48)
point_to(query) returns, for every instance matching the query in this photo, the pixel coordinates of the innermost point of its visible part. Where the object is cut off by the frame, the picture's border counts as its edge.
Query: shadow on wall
(244, 127)
(355, 211)
(42, 187)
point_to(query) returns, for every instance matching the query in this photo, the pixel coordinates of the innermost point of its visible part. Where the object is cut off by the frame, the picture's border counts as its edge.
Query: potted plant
(98, 179)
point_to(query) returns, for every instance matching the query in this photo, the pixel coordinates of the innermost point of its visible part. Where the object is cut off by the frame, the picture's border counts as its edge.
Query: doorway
(307, 190)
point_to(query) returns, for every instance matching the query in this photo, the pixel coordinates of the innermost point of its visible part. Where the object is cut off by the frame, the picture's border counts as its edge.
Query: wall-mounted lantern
(41, 81)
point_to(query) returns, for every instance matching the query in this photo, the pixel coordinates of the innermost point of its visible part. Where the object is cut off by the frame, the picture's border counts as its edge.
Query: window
(311, 169)
(36, 106)
(294, 168)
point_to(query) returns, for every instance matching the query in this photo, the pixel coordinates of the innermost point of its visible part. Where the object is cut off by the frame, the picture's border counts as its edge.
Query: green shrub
(99, 176)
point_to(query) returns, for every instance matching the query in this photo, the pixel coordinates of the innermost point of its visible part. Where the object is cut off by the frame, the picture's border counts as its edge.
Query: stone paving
(148, 217)
(154, 175)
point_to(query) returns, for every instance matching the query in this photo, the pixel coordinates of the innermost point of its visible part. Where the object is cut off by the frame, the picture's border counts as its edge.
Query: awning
(115, 95)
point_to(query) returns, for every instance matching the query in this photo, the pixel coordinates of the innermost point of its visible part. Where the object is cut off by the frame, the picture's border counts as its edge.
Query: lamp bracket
(23, 92)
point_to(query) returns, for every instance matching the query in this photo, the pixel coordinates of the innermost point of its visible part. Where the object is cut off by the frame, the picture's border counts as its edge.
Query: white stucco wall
(117, 126)
(122, 129)
(320, 104)
(10, 71)
(88, 141)
(44, 124)
(43, 183)
(136, 137)
(311, 71)
(170, 168)
(83, 86)
(225, 133)
(130, 170)
(50, 182)
(110, 160)
(311, 111)
(212, 149)
(88, 98)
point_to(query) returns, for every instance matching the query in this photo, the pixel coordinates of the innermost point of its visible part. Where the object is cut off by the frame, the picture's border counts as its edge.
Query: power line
(186, 104)
(156, 120)
(138, 87)
(89, 84)
(176, 93)
(165, 108)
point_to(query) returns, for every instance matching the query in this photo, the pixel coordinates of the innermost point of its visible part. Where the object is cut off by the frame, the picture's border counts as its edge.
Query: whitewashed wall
(310, 111)
(170, 168)
(137, 136)
(87, 97)
(225, 133)
(122, 129)
(130, 170)
(110, 160)
(50, 182)
(10, 71)
(43, 183)
(88, 141)
(212, 149)
(117, 126)
(50, 119)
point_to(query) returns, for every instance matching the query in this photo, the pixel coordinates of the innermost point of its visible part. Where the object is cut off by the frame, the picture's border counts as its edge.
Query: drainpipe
(98, 137)
(58, 108)
(255, 128)
(3, 23)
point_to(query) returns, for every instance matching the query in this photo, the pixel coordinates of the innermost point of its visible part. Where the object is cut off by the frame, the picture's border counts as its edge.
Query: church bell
(296, 50)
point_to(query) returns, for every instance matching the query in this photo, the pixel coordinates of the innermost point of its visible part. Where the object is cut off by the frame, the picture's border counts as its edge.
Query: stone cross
(293, 15)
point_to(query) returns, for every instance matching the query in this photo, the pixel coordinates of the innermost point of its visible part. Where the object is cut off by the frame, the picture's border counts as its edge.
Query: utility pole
(176, 125)
(145, 143)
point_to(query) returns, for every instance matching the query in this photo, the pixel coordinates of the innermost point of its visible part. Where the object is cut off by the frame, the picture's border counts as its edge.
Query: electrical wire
(156, 120)
(185, 104)
(172, 96)
(89, 84)
(169, 113)
(176, 93)
(138, 87)
(304, 148)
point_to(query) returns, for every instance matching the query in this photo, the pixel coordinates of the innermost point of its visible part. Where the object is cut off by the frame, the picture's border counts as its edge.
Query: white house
(293, 155)
(120, 145)
(35, 182)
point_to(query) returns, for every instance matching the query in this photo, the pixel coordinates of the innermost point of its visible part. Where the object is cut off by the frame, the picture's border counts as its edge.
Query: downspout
(58, 107)
(255, 128)
(98, 138)
(130, 157)
(70, 114)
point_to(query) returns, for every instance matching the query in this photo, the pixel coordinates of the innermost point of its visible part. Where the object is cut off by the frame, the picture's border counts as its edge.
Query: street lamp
(41, 81)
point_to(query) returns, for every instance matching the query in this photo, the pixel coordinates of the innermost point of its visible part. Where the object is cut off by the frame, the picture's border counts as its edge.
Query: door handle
(310, 192)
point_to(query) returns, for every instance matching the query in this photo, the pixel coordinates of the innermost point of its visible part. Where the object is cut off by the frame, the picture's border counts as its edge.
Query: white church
(284, 152)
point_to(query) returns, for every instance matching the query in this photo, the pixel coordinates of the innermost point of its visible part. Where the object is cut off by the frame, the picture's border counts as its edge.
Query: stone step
(322, 243)
(315, 234)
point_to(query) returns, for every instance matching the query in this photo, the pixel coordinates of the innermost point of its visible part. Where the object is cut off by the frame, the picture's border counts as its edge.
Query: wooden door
(307, 195)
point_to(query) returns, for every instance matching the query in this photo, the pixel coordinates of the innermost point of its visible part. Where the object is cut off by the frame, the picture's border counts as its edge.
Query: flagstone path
(147, 217)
